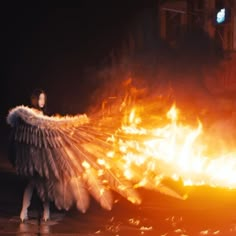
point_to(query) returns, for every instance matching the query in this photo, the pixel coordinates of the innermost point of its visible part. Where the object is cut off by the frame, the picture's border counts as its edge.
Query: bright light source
(221, 15)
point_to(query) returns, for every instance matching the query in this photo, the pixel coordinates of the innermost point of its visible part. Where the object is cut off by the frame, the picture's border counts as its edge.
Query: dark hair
(35, 99)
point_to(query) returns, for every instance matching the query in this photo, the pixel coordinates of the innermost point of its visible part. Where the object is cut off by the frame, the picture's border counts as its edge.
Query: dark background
(52, 47)
(61, 50)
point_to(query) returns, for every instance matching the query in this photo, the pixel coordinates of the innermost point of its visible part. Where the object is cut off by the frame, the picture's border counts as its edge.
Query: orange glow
(173, 150)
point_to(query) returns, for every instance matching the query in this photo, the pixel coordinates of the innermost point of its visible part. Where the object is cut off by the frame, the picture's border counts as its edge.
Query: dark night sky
(50, 48)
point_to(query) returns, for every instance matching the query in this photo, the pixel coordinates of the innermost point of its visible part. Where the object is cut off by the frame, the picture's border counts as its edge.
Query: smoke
(159, 68)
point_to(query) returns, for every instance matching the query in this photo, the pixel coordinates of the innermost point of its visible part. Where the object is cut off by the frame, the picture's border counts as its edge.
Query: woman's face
(42, 100)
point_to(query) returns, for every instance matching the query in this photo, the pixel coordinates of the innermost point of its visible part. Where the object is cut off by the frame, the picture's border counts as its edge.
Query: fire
(173, 113)
(173, 150)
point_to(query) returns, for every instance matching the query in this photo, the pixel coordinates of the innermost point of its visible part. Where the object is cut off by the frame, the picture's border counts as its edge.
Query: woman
(38, 103)
(61, 158)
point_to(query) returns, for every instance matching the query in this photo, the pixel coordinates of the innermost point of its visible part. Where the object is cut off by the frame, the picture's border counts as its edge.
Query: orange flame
(174, 150)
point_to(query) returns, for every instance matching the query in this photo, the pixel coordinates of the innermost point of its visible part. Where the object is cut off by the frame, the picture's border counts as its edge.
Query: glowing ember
(174, 150)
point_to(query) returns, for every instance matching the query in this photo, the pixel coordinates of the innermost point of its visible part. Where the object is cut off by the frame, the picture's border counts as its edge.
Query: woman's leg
(26, 200)
(46, 210)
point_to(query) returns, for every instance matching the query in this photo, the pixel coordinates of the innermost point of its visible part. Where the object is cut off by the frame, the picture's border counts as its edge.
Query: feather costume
(57, 153)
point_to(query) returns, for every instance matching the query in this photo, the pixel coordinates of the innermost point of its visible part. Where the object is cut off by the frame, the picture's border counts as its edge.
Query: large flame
(173, 150)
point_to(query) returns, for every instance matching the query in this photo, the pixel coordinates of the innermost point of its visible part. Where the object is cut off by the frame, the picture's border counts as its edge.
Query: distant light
(221, 15)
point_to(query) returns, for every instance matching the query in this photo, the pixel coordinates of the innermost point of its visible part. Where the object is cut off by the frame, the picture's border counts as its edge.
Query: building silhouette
(178, 16)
